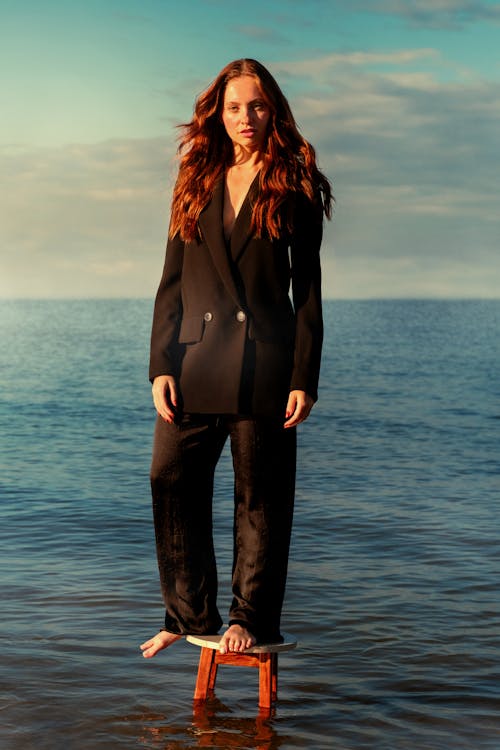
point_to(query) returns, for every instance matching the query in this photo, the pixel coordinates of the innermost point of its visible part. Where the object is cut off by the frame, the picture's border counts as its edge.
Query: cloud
(85, 220)
(397, 129)
(414, 161)
(433, 13)
(322, 67)
(261, 34)
(409, 276)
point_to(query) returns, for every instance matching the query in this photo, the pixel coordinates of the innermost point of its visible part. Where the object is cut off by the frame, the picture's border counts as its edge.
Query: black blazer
(224, 323)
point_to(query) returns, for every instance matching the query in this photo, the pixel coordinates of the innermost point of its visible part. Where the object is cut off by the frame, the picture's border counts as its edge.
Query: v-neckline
(227, 238)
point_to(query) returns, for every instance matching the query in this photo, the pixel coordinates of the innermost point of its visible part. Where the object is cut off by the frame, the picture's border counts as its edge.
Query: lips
(248, 131)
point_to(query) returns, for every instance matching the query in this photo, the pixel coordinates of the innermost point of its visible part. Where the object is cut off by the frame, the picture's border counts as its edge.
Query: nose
(246, 114)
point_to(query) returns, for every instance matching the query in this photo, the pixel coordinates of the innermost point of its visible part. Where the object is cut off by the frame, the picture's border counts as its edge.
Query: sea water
(394, 569)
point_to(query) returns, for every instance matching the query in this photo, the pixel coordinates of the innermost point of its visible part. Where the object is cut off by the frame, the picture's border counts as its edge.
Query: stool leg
(274, 677)
(265, 680)
(213, 673)
(206, 673)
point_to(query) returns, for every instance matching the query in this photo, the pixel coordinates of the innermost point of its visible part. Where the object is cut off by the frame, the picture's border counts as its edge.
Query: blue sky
(401, 99)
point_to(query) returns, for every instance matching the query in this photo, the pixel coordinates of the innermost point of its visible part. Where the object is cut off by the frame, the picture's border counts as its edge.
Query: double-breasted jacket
(239, 324)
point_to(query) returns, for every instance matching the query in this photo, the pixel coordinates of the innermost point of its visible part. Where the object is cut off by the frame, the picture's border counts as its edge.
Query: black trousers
(182, 475)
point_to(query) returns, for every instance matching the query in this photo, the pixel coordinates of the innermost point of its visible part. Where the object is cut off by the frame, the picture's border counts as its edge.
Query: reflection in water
(214, 726)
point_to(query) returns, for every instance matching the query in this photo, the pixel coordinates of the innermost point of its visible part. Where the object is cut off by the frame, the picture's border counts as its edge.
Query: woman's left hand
(298, 407)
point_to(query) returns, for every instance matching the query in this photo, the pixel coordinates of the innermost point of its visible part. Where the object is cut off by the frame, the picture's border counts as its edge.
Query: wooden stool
(264, 656)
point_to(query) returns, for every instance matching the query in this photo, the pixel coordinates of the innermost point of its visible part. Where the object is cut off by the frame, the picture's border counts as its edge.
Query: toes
(236, 639)
(155, 644)
(224, 646)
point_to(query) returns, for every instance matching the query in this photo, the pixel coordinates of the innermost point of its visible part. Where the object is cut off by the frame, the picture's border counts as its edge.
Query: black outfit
(225, 327)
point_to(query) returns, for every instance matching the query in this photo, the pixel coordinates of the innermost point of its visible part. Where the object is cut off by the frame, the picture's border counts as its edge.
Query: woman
(230, 354)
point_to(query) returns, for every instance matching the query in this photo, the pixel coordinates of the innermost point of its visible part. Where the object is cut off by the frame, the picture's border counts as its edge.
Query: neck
(247, 160)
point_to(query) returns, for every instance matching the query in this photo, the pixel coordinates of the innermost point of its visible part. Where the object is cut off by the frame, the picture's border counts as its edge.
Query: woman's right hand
(165, 396)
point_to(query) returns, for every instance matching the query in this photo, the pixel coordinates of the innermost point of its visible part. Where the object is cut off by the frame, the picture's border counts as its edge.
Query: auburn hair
(206, 151)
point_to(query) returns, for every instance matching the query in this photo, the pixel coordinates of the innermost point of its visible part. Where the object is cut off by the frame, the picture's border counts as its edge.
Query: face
(245, 114)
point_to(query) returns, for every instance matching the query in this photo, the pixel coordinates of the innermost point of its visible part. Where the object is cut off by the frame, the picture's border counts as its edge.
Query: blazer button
(240, 316)
(207, 317)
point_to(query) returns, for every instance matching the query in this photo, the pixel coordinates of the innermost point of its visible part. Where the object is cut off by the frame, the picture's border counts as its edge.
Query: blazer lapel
(241, 229)
(211, 225)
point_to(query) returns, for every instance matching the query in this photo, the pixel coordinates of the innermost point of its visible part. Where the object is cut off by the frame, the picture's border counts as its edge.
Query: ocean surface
(393, 590)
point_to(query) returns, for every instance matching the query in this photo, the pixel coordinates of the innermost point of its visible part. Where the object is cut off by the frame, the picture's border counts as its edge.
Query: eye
(232, 108)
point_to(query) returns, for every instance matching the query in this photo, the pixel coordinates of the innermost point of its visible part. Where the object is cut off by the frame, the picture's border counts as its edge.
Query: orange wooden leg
(274, 677)
(268, 673)
(206, 674)
(213, 674)
(265, 680)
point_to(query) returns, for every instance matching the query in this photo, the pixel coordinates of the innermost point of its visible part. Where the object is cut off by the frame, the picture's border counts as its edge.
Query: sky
(401, 99)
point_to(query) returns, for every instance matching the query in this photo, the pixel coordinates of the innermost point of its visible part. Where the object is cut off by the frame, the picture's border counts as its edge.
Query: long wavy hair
(206, 151)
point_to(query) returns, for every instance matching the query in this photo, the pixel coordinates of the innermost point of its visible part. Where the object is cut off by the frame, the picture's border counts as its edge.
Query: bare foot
(161, 640)
(236, 638)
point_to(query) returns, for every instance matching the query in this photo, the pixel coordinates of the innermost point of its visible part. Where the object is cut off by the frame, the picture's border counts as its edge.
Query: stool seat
(264, 656)
(212, 641)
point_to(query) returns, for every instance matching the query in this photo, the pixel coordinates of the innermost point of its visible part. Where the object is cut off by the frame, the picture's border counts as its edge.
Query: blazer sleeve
(306, 290)
(165, 349)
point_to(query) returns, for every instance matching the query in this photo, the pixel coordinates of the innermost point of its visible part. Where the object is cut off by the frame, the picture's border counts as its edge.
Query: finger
(292, 422)
(293, 414)
(301, 413)
(166, 414)
(172, 388)
(162, 407)
(165, 399)
(291, 405)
